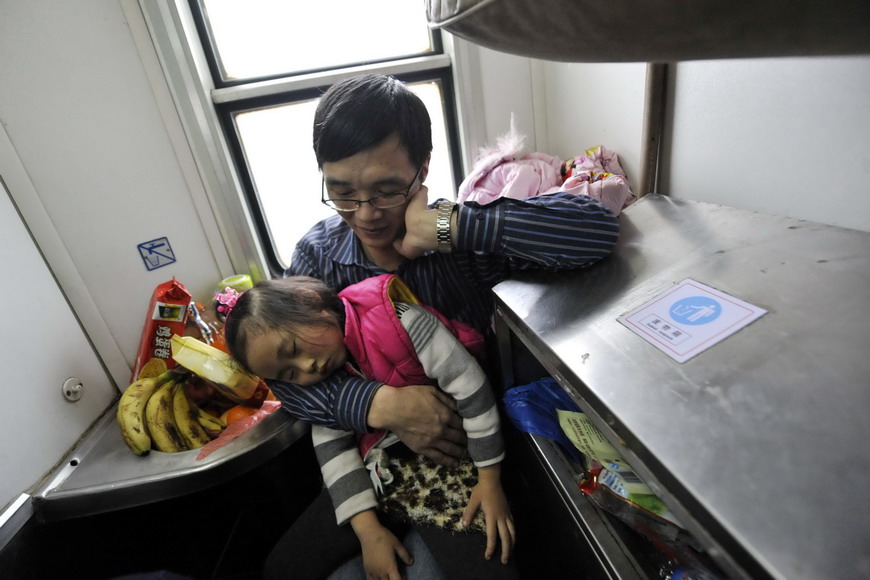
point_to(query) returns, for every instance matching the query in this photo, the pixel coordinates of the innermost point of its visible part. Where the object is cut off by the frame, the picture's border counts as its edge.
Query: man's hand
(424, 418)
(420, 226)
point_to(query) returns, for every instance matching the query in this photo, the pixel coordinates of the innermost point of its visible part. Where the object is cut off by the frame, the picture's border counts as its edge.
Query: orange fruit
(237, 412)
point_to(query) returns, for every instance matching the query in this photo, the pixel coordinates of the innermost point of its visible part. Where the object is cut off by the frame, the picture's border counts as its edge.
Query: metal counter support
(758, 444)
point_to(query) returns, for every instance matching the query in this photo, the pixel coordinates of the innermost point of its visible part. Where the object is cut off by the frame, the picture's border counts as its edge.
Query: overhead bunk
(657, 30)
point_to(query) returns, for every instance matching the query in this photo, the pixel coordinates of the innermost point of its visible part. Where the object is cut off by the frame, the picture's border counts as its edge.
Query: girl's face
(304, 357)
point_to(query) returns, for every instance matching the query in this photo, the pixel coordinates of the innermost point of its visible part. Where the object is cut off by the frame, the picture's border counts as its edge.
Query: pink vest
(378, 342)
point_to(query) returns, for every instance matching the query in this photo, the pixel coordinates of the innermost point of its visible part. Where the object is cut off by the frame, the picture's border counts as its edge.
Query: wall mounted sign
(689, 318)
(156, 253)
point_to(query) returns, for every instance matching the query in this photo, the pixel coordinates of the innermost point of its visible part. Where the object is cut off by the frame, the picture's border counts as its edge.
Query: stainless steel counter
(760, 444)
(100, 474)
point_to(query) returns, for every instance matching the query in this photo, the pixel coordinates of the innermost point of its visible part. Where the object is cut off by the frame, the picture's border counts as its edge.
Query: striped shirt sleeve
(344, 474)
(556, 232)
(342, 401)
(446, 360)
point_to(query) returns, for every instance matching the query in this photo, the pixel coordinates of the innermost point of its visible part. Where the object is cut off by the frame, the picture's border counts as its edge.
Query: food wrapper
(167, 315)
(238, 429)
(670, 539)
(215, 366)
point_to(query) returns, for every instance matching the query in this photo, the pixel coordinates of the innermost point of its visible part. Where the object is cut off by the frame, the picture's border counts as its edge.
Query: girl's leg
(314, 545)
(424, 567)
(460, 555)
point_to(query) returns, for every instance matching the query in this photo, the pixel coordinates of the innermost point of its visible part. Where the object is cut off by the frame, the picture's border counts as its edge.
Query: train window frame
(206, 104)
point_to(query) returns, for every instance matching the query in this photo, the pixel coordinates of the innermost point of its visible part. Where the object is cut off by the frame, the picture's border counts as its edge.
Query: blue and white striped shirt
(559, 231)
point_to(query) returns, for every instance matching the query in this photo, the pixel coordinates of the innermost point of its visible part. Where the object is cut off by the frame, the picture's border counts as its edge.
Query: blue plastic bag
(532, 409)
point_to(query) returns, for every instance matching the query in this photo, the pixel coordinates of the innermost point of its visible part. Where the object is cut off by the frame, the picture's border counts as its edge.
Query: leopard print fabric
(427, 493)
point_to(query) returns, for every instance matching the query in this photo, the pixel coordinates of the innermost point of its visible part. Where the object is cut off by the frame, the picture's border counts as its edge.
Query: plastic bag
(532, 409)
(167, 315)
(216, 366)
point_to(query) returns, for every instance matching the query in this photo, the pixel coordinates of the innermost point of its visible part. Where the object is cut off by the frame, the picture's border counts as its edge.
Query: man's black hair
(358, 113)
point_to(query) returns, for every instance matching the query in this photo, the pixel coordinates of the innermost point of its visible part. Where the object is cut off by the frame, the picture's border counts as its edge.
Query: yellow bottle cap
(238, 282)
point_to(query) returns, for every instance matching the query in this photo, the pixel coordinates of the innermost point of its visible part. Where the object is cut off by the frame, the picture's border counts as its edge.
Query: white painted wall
(781, 136)
(509, 91)
(86, 127)
(87, 157)
(563, 109)
(41, 346)
(595, 104)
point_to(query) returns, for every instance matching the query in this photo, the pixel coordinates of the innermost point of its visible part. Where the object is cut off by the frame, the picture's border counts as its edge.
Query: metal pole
(653, 127)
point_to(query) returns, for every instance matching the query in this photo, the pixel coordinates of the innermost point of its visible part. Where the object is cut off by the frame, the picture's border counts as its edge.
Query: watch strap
(442, 225)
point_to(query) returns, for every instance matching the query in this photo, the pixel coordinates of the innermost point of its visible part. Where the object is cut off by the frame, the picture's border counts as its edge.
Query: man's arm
(556, 231)
(424, 418)
(341, 401)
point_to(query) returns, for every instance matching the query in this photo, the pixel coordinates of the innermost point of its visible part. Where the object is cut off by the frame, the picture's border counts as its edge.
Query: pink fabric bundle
(599, 175)
(505, 171)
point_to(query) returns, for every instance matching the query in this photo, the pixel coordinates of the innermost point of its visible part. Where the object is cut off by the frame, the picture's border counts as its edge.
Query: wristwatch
(442, 225)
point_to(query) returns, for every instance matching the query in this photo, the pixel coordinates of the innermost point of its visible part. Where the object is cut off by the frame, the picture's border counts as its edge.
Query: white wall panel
(41, 346)
(79, 110)
(506, 86)
(564, 108)
(780, 136)
(596, 104)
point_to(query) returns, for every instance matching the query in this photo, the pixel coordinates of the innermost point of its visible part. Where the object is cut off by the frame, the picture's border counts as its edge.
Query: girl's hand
(488, 496)
(379, 548)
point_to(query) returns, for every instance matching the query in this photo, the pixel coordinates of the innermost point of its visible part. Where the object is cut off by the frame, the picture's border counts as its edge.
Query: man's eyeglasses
(383, 201)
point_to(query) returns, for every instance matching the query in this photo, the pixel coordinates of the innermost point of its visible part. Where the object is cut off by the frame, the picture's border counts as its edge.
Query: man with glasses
(372, 140)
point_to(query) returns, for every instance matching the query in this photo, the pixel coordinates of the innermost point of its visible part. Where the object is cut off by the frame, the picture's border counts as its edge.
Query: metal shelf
(100, 474)
(736, 440)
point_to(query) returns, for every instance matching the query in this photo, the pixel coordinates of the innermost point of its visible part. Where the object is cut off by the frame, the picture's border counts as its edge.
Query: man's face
(383, 169)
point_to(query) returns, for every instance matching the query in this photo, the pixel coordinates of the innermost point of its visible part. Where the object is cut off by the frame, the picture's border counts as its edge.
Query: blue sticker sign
(689, 318)
(696, 310)
(156, 253)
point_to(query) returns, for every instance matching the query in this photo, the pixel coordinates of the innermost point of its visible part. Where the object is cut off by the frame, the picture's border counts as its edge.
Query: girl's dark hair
(358, 113)
(280, 305)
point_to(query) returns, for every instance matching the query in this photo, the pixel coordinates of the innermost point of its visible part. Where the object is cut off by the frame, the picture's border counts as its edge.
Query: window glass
(264, 38)
(277, 149)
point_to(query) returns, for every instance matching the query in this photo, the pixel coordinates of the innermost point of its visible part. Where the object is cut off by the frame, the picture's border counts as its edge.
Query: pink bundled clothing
(598, 175)
(505, 173)
(498, 176)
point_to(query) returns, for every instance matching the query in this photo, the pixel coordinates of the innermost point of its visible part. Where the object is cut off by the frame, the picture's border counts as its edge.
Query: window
(269, 61)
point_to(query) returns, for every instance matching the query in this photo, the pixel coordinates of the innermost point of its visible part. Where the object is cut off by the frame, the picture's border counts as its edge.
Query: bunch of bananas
(155, 411)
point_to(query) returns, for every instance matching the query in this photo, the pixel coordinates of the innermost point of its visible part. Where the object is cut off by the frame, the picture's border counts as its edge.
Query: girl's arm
(340, 462)
(354, 500)
(445, 359)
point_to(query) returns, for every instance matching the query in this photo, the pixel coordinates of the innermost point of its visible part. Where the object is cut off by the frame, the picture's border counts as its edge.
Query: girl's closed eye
(288, 353)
